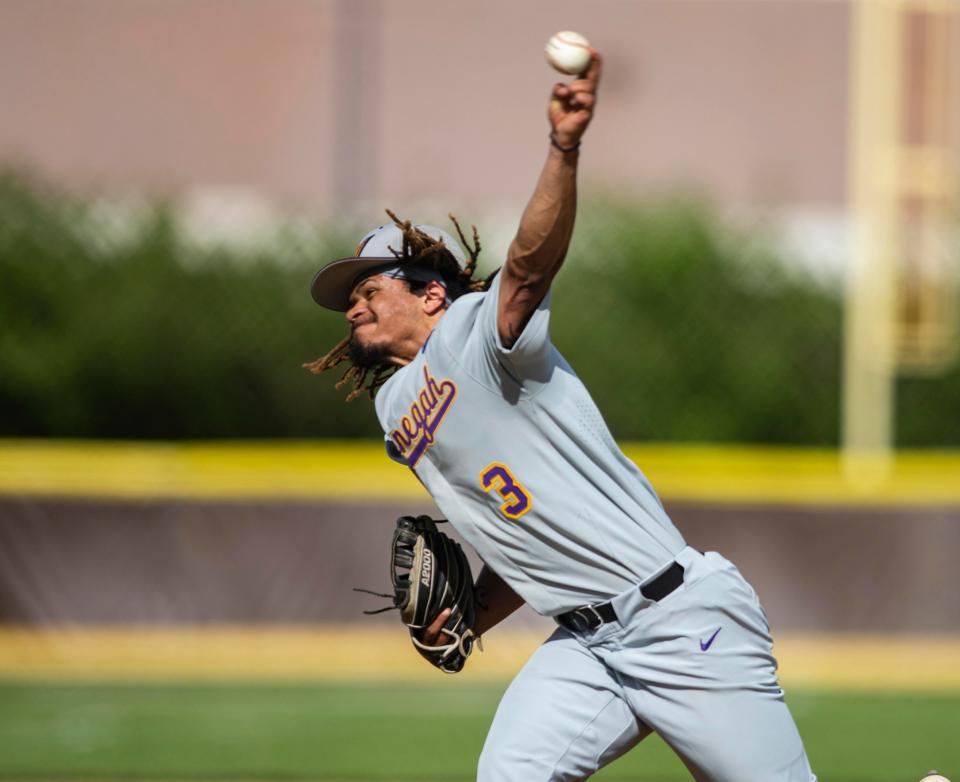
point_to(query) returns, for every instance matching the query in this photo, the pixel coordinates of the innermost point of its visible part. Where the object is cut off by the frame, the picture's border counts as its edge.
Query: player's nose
(356, 309)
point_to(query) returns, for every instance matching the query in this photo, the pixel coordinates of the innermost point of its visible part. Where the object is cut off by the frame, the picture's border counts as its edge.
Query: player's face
(385, 319)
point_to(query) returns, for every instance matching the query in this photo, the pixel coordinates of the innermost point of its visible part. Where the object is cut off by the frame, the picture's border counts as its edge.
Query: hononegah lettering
(416, 431)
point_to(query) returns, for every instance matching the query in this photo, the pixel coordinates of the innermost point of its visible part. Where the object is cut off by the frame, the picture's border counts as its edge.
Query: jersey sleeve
(530, 355)
(474, 340)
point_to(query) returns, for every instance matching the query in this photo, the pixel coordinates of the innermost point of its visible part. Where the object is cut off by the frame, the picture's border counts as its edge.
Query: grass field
(376, 731)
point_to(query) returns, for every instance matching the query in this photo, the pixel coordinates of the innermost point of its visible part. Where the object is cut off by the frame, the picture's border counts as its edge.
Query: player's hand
(571, 105)
(433, 634)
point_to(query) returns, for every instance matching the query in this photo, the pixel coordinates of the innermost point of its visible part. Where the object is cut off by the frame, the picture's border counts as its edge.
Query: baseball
(568, 52)
(933, 776)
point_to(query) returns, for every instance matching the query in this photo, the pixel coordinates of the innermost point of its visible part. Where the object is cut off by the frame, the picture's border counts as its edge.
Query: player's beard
(366, 356)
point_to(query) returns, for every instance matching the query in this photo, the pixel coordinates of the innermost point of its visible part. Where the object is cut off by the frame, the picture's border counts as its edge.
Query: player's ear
(435, 298)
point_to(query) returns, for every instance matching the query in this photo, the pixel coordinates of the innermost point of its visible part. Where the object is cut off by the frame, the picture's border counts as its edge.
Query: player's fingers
(595, 68)
(582, 100)
(560, 90)
(431, 633)
(582, 85)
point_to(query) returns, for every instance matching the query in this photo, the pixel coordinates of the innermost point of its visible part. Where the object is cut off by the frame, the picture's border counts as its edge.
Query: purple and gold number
(516, 499)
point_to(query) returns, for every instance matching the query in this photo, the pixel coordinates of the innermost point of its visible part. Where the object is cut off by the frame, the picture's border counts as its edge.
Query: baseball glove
(430, 573)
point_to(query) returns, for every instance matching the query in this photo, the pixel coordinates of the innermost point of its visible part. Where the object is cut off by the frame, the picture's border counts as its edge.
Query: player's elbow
(533, 270)
(528, 281)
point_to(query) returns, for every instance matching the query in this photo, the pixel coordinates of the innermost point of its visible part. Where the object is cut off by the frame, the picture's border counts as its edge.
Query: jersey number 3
(516, 498)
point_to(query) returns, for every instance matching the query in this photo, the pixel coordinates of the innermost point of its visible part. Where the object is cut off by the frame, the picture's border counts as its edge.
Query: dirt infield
(817, 569)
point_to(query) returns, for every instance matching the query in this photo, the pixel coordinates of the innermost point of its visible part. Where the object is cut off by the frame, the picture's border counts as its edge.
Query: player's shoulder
(465, 306)
(459, 320)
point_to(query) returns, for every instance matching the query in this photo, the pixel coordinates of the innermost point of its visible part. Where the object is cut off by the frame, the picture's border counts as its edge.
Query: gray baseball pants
(696, 667)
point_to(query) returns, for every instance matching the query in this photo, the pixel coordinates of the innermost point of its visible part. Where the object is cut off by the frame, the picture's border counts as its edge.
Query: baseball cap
(332, 285)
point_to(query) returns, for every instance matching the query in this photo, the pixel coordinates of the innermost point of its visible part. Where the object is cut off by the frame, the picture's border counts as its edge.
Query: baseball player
(652, 634)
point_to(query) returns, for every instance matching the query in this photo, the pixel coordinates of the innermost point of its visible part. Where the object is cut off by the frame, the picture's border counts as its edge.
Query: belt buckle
(582, 620)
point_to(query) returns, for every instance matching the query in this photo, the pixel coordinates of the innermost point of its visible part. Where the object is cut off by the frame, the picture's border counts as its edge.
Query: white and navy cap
(333, 284)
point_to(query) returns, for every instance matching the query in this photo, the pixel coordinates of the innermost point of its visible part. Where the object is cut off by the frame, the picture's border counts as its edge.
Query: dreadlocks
(423, 250)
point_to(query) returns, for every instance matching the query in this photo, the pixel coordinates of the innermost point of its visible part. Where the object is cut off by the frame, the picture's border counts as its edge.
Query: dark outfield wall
(817, 569)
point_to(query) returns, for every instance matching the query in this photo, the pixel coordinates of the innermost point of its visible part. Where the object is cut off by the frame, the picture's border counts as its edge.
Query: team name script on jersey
(417, 431)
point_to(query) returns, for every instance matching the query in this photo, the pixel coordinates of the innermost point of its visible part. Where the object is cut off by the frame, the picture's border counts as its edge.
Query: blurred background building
(334, 105)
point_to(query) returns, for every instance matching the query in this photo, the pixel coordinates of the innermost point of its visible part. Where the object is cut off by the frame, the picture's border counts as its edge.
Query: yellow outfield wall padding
(345, 653)
(330, 470)
(361, 471)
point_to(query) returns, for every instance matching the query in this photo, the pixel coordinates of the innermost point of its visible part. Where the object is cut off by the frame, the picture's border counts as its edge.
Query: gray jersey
(517, 456)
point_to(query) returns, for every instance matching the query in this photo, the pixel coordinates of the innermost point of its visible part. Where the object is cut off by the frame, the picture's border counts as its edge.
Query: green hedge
(682, 329)
(689, 332)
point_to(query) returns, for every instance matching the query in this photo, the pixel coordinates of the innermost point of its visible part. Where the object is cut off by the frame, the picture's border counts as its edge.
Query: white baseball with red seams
(568, 52)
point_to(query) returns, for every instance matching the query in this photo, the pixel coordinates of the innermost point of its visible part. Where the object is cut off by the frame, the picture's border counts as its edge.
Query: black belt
(590, 617)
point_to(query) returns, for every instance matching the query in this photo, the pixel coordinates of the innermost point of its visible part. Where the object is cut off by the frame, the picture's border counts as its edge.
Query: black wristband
(556, 144)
